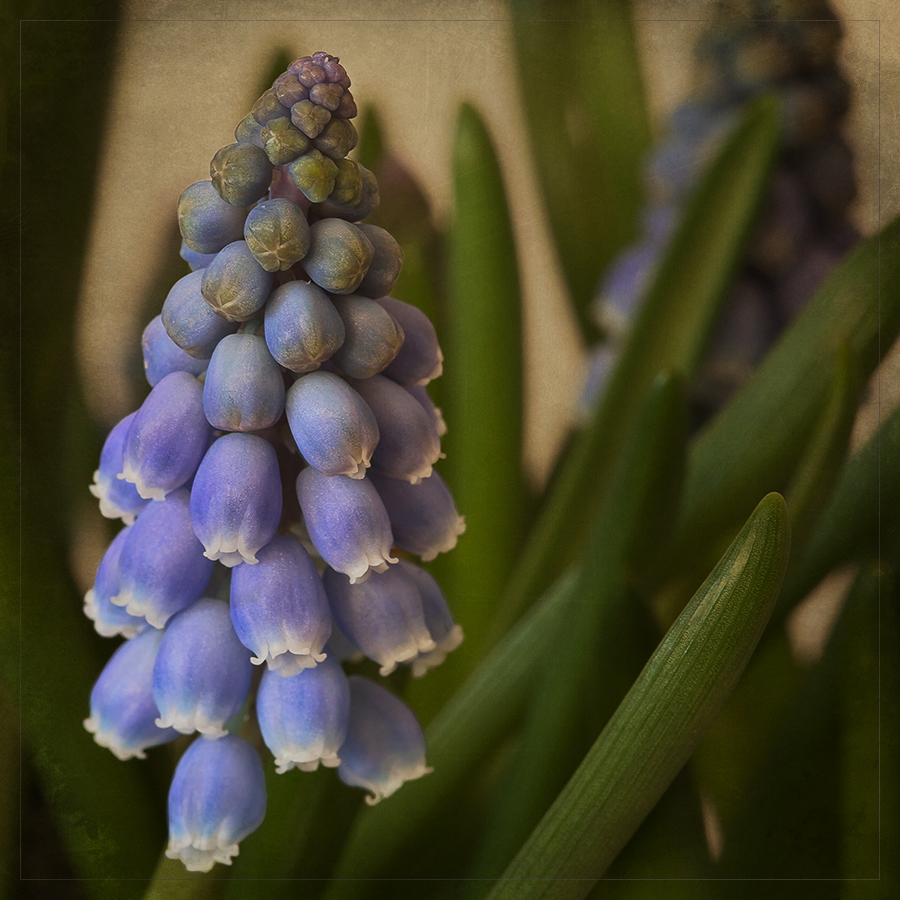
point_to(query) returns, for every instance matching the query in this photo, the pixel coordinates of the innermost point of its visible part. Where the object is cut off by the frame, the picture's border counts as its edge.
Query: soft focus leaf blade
(602, 627)
(658, 725)
(669, 334)
(589, 130)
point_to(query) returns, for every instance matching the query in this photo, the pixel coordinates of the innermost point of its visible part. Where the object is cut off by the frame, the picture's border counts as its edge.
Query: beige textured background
(185, 71)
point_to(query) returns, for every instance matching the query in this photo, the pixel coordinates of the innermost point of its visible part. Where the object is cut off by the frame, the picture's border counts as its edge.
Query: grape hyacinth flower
(217, 798)
(286, 425)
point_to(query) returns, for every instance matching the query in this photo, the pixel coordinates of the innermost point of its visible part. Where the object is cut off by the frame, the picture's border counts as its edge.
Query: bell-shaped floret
(421, 394)
(368, 202)
(332, 425)
(161, 567)
(217, 798)
(167, 438)
(303, 328)
(373, 337)
(423, 516)
(162, 355)
(110, 620)
(282, 141)
(346, 521)
(336, 139)
(408, 445)
(339, 254)
(420, 359)
(447, 635)
(123, 713)
(383, 616)
(194, 259)
(190, 321)
(385, 746)
(202, 672)
(236, 498)
(241, 173)
(118, 499)
(303, 718)
(383, 271)
(279, 609)
(313, 174)
(277, 233)
(206, 221)
(243, 389)
(234, 284)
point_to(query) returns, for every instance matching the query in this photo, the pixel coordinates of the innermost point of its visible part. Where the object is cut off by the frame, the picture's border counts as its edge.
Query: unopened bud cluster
(271, 481)
(790, 49)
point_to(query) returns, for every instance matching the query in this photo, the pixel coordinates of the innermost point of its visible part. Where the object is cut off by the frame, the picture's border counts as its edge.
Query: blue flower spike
(383, 616)
(217, 798)
(243, 389)
(206, 221)
(234, 284)
(167, 437)
(423, 516)
(202, 672)
(279, 608)
(420, 359)
(161, 567)
(303, 718)
(373, 337)
(118, 499)
(332, 425)
(190, 321)
(236, 498)
(123, 713)
(385, 746)
(111, 620)
(408, 445)
(347, 523)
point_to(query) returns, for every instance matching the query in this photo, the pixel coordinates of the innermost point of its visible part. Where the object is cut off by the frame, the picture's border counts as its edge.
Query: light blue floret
(118, 499)
(111, 620)
(217, 798)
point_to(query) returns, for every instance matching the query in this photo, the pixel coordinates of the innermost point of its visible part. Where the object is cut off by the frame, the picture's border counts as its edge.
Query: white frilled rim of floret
(412, 649)
(374, 561)
(192, 720)
(201, 854)
(112, 741)
(287, 656)
(145, 491)
(108, 508)
(389, 783)
(107, 629)
(230, 550)
(425, 661)
(448, 543)
(140, 607)
(307, 759)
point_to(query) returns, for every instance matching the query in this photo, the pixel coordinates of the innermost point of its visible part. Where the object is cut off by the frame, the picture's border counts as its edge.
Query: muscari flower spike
(280, 370)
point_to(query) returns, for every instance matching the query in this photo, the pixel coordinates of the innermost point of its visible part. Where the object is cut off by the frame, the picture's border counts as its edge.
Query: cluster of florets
(789, 48)
(271, 480)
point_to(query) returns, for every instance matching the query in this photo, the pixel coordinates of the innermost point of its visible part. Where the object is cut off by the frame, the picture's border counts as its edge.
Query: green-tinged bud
(384, 269)
(282, 142)
(289, 90)
(241, 173)
(268, 107)
(337, 138)
(327, 95)
(348, 184)
(372, 337)
(247, 131)
(277, 234)
(368, 201)
(339, 255)
(314, 175)
(309, 118)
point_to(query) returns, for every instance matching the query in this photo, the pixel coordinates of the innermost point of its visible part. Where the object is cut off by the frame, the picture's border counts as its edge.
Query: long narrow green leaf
(642, 499)
(754, 444)
(668, 335)
(482, 394)
(818, 469)
(658, 725)
(473, 722)
(172, 882)
(865, 500)
(589, 129)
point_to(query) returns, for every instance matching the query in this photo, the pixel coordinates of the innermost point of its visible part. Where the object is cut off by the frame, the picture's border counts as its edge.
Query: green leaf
(756, 441)
(818, 469)
(482, 395)
(589, 129)
(865, 500)
(478, 715)
(669, 334)
(657, 726)
(171, 881)
(602, 627)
